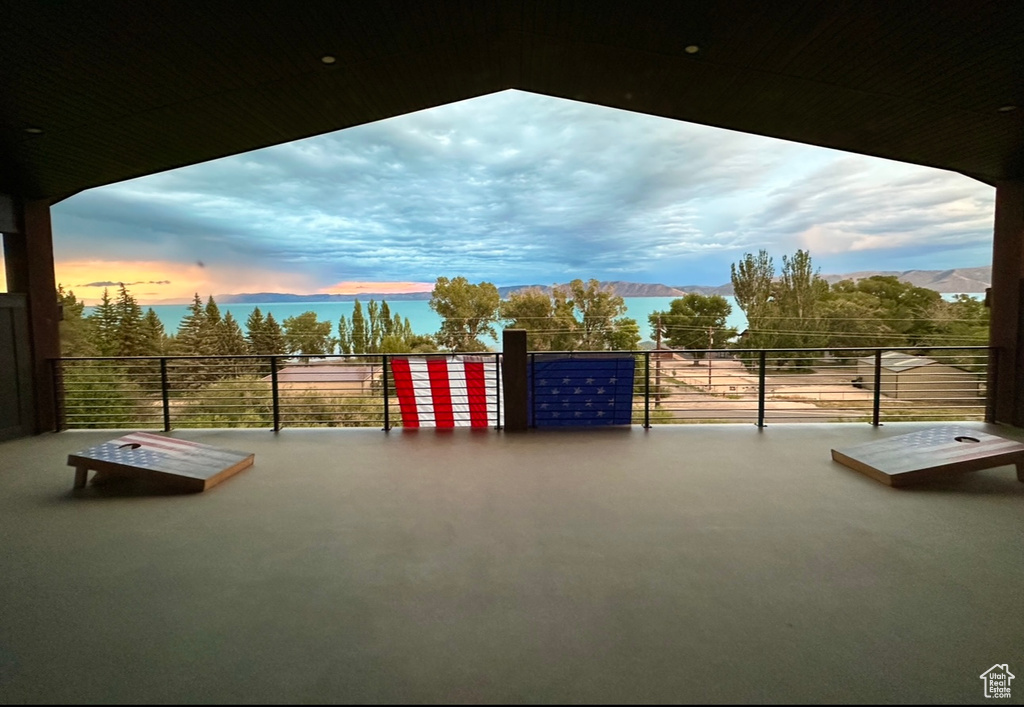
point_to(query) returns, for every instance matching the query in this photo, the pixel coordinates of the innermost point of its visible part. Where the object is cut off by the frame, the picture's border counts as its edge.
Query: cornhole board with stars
(926, 454)
(188, 465)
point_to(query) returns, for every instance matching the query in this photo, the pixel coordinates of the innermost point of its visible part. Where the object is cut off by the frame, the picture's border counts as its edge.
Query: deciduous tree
(467, 312)
(305, 335)
(695, 321)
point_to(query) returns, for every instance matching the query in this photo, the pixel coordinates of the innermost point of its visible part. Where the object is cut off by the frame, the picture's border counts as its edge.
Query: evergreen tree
(274, 337)
(104, 326)
(255, 328)
(232, 342)
(344, 336)
(387, 325)
(188, 341)
(153, 334)
(375, 333)
(212, 332)
(76, 335)
(360, 336)
(130, 338)
(753, 286)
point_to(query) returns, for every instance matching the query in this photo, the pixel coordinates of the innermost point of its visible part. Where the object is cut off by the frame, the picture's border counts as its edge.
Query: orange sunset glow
(157, 282)
(355, 287)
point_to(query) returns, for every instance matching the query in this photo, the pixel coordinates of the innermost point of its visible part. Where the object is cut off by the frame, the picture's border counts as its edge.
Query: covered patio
(710, 563)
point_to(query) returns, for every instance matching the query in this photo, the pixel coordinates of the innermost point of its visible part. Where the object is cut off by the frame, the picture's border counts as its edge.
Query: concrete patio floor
(703, 563)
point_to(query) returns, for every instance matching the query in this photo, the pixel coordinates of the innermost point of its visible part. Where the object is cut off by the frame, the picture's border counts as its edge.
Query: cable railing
(820, 385)
(648, 388)
(357, 390)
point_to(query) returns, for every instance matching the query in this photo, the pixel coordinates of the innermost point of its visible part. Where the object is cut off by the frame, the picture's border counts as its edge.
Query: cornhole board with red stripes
(926, 454)
(188, 465)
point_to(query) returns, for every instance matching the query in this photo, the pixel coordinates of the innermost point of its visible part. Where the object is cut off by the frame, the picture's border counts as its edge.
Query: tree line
(582, 316)
(118, 327)
(794, 308)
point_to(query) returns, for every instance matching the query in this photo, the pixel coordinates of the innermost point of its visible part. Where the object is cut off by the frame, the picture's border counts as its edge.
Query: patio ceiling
(122, 89)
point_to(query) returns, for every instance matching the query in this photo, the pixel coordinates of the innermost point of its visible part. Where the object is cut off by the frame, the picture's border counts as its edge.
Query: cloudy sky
(513, 188)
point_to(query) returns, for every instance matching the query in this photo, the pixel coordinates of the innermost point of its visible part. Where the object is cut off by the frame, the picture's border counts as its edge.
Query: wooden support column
(28, 260)
(513, 375)
(1006, 299)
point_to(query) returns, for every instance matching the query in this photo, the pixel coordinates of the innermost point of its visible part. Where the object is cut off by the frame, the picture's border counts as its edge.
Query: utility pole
(657, 364)
(711, 345)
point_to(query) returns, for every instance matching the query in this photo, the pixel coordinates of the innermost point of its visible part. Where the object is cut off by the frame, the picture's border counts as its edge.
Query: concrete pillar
(28, 260)
(1006, 299)
(513, 375)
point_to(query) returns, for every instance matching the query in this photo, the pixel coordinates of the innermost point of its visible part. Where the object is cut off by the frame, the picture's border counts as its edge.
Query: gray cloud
(516, 187)
(111, 283)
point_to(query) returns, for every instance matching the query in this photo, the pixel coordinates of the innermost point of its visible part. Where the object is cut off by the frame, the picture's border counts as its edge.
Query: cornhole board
(926, 454)
(188, 465)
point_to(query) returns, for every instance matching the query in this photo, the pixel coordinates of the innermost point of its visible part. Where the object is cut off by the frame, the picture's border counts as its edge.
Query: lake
(422, 318)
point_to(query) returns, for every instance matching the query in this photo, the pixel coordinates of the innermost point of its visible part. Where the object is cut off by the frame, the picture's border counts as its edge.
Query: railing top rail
(376, 356)
(977, 347)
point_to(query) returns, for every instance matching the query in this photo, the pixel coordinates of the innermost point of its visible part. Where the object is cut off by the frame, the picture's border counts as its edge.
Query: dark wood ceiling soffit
(123, 89)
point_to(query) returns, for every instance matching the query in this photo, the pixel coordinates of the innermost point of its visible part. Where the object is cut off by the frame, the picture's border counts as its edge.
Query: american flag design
(163, 454)
(580, 391)
(455, 391)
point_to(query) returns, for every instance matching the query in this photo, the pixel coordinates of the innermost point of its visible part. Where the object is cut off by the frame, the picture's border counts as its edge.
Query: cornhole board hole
(926, 454)
(187, 465)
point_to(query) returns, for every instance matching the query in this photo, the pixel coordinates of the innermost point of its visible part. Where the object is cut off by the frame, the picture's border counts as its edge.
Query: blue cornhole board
(580, 391)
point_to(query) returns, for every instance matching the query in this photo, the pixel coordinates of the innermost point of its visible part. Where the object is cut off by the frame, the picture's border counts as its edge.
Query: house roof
(899, 361)
(122, 89)
(325, 374)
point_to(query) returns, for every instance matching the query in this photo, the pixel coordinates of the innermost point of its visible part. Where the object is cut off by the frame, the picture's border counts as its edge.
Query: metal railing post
(163, 394)
(647, 390)
(762, 359)
(497, 391)
(532, 377)
(59, 423)
(273, 392)
(387, 394)
(878, 388)
(991, 383)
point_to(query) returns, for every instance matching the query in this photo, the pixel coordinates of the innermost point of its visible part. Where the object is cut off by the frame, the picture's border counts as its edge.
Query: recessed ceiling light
(691, 49)
(1007, 109)
(34, 131)
(328, 59)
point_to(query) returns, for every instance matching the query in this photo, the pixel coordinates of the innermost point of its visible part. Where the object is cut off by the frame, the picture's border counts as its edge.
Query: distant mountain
(957, 280)
(971, 280)
(622, 289)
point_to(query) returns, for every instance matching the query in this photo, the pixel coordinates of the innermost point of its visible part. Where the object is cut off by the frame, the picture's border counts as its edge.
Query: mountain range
(957, 280)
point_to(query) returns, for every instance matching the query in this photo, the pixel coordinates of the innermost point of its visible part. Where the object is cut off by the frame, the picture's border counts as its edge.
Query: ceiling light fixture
(691, 49)
(328, 59)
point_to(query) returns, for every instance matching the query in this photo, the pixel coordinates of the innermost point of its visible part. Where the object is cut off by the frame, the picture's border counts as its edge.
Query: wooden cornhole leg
(81, 476)
(1020, 472)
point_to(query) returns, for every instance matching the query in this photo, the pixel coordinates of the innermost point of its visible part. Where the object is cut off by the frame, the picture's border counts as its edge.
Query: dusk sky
(513, 188)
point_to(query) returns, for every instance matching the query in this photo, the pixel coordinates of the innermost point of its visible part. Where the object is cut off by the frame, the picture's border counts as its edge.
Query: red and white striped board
(458, 391)
(925, 454)
(190, 465)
